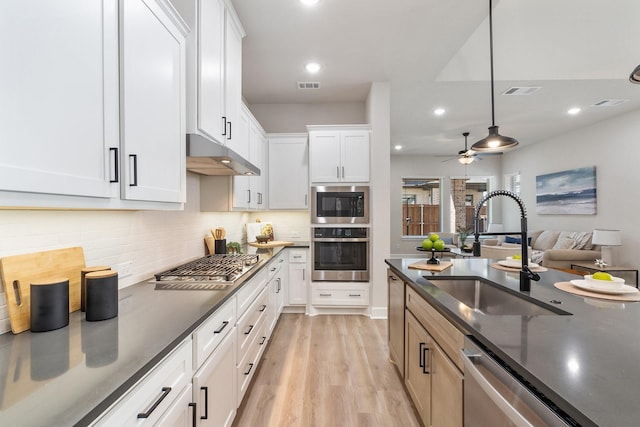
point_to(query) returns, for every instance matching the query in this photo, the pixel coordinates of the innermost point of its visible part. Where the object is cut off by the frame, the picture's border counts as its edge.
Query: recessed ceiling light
(439, 111)
(573, 111)
(398, 147)
(312, 67)
(309, 2)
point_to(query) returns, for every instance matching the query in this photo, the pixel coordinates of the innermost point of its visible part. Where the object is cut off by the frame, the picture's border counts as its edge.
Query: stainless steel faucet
(526, 275)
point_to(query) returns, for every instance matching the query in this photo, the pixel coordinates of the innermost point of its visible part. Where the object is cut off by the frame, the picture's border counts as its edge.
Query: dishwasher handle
(507, 409)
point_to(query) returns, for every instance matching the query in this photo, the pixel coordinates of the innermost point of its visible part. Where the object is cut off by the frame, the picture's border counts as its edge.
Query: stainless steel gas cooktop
(211, 272)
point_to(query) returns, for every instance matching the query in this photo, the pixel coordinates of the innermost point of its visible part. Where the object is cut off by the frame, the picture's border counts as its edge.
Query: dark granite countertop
(71, 375)
(586, 362)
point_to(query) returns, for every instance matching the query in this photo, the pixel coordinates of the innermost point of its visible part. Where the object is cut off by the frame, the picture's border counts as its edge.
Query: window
(421, 206)
(512, 182)
(466, 193)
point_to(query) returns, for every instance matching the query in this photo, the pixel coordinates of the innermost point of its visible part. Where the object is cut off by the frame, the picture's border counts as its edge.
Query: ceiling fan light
(465, 160)
(635, 75)
(494, 142)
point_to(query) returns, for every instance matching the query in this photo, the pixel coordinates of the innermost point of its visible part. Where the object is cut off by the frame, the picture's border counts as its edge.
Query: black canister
(83, 285)
(49, 304)
(220, 246)
(101, 295)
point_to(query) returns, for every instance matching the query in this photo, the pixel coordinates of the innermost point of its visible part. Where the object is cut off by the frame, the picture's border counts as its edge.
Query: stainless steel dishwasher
(494, 397)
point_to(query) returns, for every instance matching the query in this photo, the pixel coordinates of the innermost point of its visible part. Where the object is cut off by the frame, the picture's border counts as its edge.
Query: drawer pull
(165, 393)
(263, 340)
(423, 349)
(273, 269)
(263, 308)
(224, 325)
(194, 420)
(250, 368)
(355, 295)
(206, 403)
(249, 330)
(325, 295)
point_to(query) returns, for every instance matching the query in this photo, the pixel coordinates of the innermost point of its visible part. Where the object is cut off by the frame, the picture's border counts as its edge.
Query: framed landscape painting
(570, 192)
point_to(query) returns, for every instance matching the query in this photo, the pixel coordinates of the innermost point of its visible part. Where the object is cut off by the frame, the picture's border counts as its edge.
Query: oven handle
(506, 408)
(348, 240)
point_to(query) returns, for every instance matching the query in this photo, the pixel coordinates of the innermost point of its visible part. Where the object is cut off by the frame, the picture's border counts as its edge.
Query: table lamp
(608, 239)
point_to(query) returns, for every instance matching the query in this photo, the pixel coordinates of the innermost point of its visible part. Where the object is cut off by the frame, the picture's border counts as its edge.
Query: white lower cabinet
(182, 413)
(155, 394)
(298, 277)
(214, 386)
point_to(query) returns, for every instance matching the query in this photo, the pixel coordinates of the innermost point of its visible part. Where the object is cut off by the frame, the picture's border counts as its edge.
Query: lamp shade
(495, 227)
(607, 237)
(494, 141)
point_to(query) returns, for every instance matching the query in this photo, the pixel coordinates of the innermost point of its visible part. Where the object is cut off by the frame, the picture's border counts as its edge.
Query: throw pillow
(447, 240)
(583, 240)
(566, 240)
(546, 240)
(509, 239)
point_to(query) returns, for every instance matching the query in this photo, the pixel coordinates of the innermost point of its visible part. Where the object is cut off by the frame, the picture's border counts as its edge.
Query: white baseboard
(378, 313)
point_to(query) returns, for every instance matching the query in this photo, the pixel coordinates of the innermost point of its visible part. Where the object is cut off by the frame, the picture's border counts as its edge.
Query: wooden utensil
(19, 271)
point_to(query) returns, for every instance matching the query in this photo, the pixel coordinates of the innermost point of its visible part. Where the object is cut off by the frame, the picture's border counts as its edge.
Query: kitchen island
(72, 375)
(585, 362)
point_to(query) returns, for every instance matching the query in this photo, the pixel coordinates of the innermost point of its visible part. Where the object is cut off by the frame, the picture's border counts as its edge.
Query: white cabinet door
(233, 80)
(298, 284)
(324, 157)
(288, 172)
(152, 87)
(214, 386)
(256, 156)
(354, 156)
(59, 89)
(242, 197)
(210, 73)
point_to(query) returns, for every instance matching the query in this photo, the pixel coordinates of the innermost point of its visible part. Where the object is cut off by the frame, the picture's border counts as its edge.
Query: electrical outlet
(295, 235)
(124, 269)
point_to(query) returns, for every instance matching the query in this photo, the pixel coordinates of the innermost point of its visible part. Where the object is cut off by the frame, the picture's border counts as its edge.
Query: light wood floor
(327, 371)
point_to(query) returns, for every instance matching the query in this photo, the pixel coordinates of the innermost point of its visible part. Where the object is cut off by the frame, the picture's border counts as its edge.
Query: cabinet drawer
(448, 337)
(207, 337)
(248, 365)
(275, 266)
(298, 255)
(250, 291)
(150, 398)
(248, 325)
(344, 296)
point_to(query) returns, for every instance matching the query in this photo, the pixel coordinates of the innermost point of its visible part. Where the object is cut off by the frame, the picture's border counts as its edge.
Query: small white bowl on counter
(614, 284)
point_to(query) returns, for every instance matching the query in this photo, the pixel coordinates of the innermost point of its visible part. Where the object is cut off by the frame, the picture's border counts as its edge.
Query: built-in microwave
(340, 204)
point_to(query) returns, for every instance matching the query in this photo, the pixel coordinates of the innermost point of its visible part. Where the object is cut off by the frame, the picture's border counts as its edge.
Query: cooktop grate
(211, 272)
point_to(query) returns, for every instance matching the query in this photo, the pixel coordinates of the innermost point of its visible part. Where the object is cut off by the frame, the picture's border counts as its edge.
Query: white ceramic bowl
(616, 283)
(518, 259)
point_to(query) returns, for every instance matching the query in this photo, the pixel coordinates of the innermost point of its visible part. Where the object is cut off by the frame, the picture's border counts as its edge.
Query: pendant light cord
(493, 113)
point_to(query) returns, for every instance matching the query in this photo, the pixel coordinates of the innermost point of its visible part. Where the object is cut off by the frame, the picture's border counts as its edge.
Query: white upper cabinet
(288, 171)
(59, 86)
(249, 191)
(339, 153)
(215, 74)
(153, 78)
(93, 105)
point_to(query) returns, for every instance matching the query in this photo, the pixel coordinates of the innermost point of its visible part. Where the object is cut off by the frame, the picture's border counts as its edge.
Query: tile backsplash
(153, 240)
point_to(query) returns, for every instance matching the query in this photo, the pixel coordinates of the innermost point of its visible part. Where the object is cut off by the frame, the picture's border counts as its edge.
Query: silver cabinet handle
(343, 172)
(338, 172)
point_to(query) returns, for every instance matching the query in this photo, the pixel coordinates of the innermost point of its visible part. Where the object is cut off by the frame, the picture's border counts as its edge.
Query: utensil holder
(220, 246)
(49, 305)
(83, 273)
(101, 295)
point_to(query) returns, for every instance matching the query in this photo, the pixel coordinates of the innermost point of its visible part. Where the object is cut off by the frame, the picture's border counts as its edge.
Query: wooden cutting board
(422, 265)
(19, 271)
(271, 244)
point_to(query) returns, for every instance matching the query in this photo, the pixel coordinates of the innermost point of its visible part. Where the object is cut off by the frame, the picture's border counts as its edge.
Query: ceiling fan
(467, 156)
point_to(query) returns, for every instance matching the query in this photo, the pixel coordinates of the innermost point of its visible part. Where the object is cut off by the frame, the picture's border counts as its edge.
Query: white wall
(426, 167)
(379, 116)
(611, 146)
(291, 118)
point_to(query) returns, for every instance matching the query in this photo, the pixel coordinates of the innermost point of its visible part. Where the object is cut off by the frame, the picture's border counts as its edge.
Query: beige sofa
(555, 249)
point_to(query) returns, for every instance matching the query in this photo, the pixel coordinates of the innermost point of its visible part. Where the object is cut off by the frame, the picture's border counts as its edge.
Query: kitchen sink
(491, 299)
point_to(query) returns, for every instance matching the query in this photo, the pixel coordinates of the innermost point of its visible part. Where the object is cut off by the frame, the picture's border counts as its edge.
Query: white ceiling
(435, 53)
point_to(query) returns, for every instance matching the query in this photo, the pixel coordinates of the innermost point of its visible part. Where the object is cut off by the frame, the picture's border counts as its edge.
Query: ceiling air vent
(609, 102)
(522, 90)
(308, 85)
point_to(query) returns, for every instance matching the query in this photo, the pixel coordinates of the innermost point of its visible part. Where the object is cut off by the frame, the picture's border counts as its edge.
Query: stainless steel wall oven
(340, 205)
(340, 254)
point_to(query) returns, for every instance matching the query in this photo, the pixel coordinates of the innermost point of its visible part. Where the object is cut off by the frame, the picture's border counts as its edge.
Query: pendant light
(635, 75)
(494, 141)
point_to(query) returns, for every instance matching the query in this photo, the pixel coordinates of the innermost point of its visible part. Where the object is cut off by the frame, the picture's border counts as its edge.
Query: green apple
(433, 237)
(601, 275)
(438, 245)
(427, 244)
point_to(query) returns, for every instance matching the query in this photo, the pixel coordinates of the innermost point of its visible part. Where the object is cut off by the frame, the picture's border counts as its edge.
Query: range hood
(207, 157)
